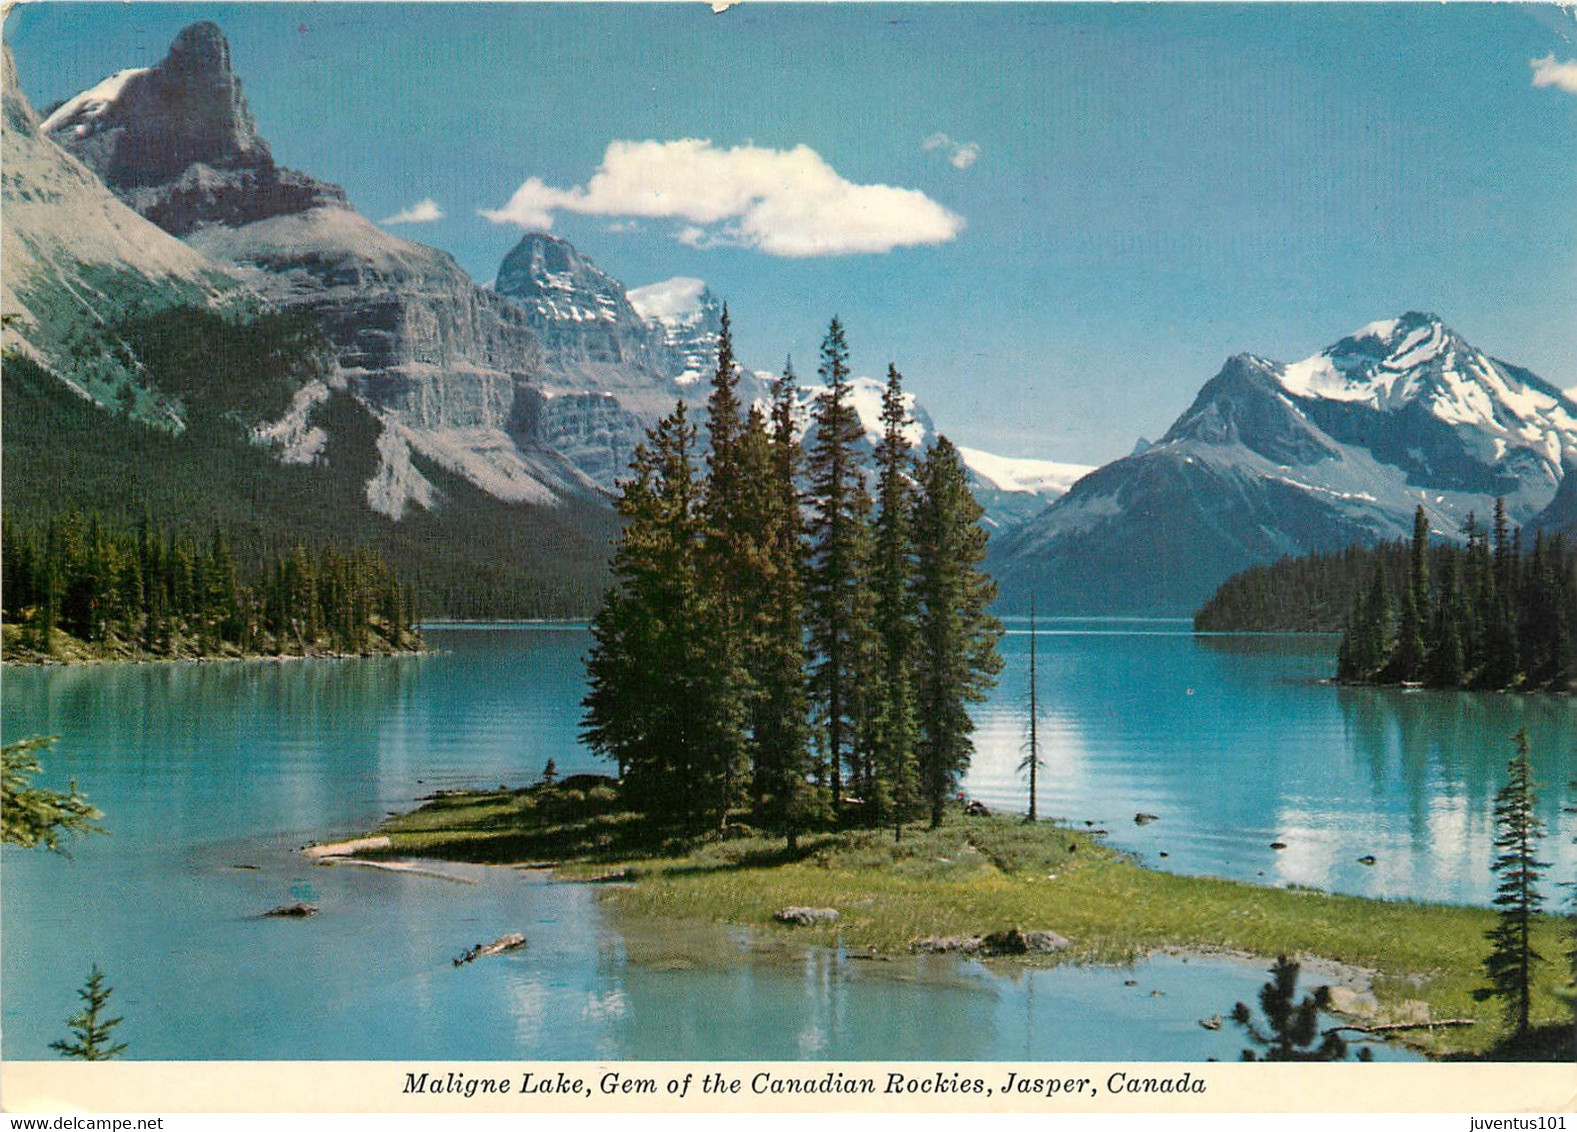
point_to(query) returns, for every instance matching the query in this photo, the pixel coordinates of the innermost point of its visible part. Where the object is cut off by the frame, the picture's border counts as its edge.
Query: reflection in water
(1237, 742)
(205, 767)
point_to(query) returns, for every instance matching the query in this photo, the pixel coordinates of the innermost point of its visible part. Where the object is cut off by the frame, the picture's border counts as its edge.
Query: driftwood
(1392, 1027)
(293, 911)
(511, 942)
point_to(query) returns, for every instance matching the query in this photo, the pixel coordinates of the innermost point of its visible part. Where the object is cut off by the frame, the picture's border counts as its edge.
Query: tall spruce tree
(733, 564)
(956, 639)
(891, 788)
(839, 595)
(1512, 959)
(1408, 661)
(657, 703)
(780, 727)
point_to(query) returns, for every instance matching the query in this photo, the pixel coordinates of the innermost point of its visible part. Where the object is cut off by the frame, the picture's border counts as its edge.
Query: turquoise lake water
(212, 776)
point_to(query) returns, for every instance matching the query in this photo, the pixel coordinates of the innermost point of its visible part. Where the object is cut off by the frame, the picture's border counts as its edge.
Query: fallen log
(1393, 1027)
(511, 942)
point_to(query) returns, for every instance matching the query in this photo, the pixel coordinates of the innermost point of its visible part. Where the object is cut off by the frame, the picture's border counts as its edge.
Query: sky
(1056, 220)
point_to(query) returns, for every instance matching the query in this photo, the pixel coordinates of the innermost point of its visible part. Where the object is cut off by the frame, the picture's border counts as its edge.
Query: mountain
(1013, 489)
(178, 142)
(451, 371)
(609, 371)
(689, 317)
(1275, 459)
(78, 261)
(1010, 489)
(113, 325)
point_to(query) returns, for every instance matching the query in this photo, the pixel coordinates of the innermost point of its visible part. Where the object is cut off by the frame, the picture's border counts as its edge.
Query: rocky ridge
(1275, 459)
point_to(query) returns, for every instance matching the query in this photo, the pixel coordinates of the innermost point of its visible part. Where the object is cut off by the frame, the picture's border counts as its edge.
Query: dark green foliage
(475, 556)
(1489, 614)
(659, 702)
(1311, 594)
(156, 592)
(748, 625)
(890, 783)
(91, 1032)
(1294, 1025)
(956, 638)
(839, 598)
(248, 368)
(30, 816)
(780, 728)
(1512, 959)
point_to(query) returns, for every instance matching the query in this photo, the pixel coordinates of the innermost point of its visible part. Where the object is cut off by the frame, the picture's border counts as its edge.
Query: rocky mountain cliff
(451, 370)
(1276, 459)
(77, 260)
(177, 141)
(535, 390)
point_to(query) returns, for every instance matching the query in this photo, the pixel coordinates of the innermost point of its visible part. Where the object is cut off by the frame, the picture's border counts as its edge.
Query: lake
(212, 776)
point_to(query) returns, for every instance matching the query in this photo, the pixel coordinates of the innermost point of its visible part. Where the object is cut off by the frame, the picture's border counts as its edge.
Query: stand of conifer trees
(777, 643)
(153, 592)
(1490, 614)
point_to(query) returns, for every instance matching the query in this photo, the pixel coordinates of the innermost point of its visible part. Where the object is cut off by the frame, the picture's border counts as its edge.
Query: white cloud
(1547, 72)
(963, 156)
(422, 212)
(960, 155)
(782, 202)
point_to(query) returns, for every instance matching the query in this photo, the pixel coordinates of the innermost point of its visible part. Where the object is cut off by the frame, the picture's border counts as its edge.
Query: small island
(1408, 970)
(1496, 613)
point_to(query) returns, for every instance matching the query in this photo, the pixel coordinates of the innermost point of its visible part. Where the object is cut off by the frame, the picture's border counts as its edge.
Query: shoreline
(1390, 963)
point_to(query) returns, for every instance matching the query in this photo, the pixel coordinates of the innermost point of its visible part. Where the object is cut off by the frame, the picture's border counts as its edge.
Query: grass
(977, 875)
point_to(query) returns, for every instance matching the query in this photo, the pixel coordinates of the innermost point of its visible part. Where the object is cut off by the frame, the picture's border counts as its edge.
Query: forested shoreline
(1497, 612)
(75, 589)
(780, 646)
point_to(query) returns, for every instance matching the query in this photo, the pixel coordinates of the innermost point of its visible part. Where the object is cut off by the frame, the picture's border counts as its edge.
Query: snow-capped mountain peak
(1418, 363)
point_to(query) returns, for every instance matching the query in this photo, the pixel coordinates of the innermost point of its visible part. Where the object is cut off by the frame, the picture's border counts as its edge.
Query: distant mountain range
(446, 407)
(155, 188)
(1275, 459)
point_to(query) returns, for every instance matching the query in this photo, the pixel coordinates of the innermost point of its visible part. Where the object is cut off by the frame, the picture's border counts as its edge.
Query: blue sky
(1087, 208)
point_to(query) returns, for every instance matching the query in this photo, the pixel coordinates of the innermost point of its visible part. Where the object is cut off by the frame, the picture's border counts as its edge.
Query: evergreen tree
(1032, 761)
(1447, 658)
(1408, 661)
(780, 728)
(658, 702)
(1294, 1033)
(956, 638)
(30, 816)
(891, 788)
(1512, 959)
(90, 1032)
(839, 598)
(733, 563)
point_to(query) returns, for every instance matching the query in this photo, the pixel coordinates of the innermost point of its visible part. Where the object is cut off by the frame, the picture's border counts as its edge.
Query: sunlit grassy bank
(978, 875)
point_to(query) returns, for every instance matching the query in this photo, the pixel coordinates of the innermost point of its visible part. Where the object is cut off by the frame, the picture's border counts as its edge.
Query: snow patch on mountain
(293, 436)
(671, 302)
(398, 483)
(1046, 478)
(81, 111)
(865, 394)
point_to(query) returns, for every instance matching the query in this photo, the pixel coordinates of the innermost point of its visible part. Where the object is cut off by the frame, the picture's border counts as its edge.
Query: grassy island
(983, 874)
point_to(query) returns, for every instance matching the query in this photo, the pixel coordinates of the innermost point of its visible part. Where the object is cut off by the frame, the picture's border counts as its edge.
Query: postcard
(789, 557)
